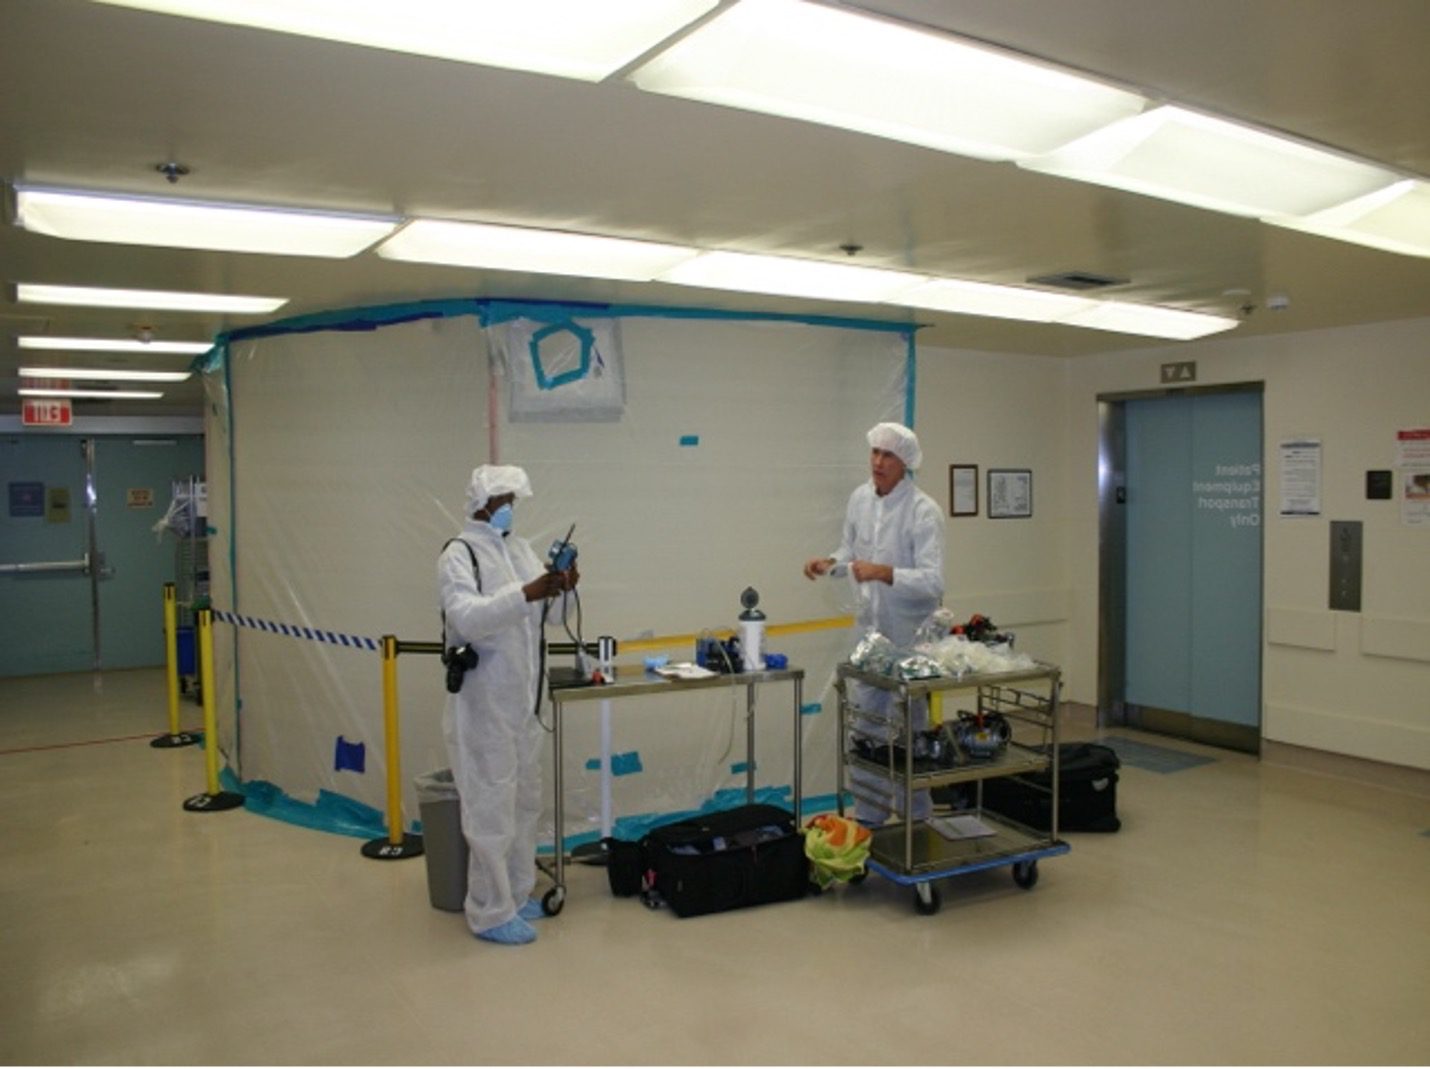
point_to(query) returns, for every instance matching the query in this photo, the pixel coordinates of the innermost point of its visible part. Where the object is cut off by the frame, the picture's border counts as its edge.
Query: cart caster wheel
(859, 877)
(1025, 874)
(553, 900)
(927, 900)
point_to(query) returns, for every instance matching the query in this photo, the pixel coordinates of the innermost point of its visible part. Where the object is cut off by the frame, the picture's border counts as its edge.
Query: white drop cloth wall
(738, 446)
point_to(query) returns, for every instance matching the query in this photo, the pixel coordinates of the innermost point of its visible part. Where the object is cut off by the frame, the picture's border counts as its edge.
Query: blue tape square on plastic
(689, 439)
(350, 756)
(625, 764)
(810, 708)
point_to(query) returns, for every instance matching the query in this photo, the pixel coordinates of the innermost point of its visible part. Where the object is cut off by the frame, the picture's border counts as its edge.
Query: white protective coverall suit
(904, 529)
(493, 738)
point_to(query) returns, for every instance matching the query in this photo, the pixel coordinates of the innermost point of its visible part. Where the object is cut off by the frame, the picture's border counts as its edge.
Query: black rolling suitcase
(745, 856)
(1087, 780)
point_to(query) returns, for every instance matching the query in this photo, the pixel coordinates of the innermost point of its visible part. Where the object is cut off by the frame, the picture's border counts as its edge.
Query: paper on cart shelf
(965, 827)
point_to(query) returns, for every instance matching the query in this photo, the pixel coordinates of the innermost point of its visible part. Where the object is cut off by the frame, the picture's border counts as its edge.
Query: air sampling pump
(752, 631)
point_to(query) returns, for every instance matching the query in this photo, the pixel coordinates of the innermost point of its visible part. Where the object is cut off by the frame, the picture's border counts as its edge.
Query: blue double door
(65, 496)
(1194, 481)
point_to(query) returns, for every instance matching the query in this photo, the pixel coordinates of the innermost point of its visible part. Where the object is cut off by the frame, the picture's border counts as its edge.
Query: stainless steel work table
(634, 682)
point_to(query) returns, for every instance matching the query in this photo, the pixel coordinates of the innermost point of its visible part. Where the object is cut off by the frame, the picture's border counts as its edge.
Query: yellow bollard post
(215, 799)
(397, 845)
(175, 737)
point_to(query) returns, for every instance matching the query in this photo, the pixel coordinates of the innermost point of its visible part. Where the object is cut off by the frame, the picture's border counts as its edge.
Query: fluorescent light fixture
(149, 300)
(568, 38)
(987, 299)
(1151, 320)
(787, 276)
(112, 345)
(107, 395)
(842, 68)
(133, 220)
(1195, 159)
(103, 374)
(516, 248)
(1394, 219)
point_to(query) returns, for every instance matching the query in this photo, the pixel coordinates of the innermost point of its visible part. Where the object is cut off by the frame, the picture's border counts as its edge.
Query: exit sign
(46, 412)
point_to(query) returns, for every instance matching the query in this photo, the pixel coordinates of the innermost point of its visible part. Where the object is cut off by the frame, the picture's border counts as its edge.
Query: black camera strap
(476, 574)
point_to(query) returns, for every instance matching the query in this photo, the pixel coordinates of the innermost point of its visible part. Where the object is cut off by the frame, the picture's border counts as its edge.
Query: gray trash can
(443, 845)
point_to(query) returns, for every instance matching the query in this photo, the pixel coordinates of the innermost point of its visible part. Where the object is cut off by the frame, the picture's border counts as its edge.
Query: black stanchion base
(386, 850)
(591, 853)
(183, 738)
(213, 803)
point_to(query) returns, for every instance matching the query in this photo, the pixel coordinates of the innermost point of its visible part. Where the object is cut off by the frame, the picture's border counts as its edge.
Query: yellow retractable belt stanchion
(175, 737)
(397, 845)
(215, 799)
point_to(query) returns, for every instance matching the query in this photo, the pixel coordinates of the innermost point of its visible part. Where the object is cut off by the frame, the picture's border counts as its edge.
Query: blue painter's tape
(689, 439)
(626, 764)
(811, 708)
(332, 812)
(911, 374)
(739, 768)
(593, 764)
(350, 755)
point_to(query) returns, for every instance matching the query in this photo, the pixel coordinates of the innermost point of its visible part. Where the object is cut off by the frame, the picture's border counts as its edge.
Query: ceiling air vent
(1078, 280)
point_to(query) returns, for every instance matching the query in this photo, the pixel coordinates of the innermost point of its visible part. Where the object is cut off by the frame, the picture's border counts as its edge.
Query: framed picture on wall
(963, 489)
(1010, 493)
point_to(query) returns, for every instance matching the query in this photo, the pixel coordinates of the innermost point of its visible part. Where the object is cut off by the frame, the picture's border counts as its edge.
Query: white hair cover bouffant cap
(489, 480)
(897, 439)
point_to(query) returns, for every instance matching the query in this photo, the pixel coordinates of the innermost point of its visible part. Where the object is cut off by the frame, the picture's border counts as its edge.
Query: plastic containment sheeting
(338, 461)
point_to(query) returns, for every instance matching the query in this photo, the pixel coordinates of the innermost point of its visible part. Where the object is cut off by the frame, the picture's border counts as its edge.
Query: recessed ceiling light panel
(106, 395)
(986, 299)
(788, 276)
(518, 248)
(1154, 321)
(1394, 219)
(101, 374)
(133, 220)
(53, 343)
(582, 39)
(843, 68)
(1180, 155)
(147, 300)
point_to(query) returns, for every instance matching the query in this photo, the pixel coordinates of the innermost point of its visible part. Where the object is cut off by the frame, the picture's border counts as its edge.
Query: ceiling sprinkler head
(172, 170)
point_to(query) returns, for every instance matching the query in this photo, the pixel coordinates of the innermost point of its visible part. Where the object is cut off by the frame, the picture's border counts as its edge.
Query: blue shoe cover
(531, 910)
(513, 933)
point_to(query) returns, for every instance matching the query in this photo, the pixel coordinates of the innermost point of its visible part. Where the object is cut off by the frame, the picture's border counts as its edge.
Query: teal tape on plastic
(911, 360)
(811, 708)
(626, 764)
(689, 439)
(332, 812)
(739, 768)
(622, 764)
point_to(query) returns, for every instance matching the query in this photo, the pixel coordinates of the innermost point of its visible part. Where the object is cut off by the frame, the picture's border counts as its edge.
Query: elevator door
(1193, 566)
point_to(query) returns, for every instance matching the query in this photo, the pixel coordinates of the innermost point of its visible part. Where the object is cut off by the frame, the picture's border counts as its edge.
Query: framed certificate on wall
(963, 489)
(1010, 493)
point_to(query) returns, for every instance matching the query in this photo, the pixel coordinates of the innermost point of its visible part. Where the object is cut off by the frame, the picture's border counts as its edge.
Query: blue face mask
(501, 518)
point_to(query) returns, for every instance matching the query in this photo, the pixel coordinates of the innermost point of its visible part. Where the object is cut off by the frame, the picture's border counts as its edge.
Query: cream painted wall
(1348, 683)
(1001, 411)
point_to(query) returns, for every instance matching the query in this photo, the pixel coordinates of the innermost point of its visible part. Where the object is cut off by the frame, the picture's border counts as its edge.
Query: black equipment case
(745, 856)
(1087, 780)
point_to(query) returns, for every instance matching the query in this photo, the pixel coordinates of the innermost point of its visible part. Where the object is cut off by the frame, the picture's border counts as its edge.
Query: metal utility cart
(918, 852)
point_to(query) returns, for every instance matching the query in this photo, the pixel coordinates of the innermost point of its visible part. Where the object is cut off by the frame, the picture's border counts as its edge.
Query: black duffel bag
(712, 862)
(1087, 794)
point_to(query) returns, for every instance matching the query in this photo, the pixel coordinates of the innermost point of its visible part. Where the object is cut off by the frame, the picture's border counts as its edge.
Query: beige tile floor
(1246, 913)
